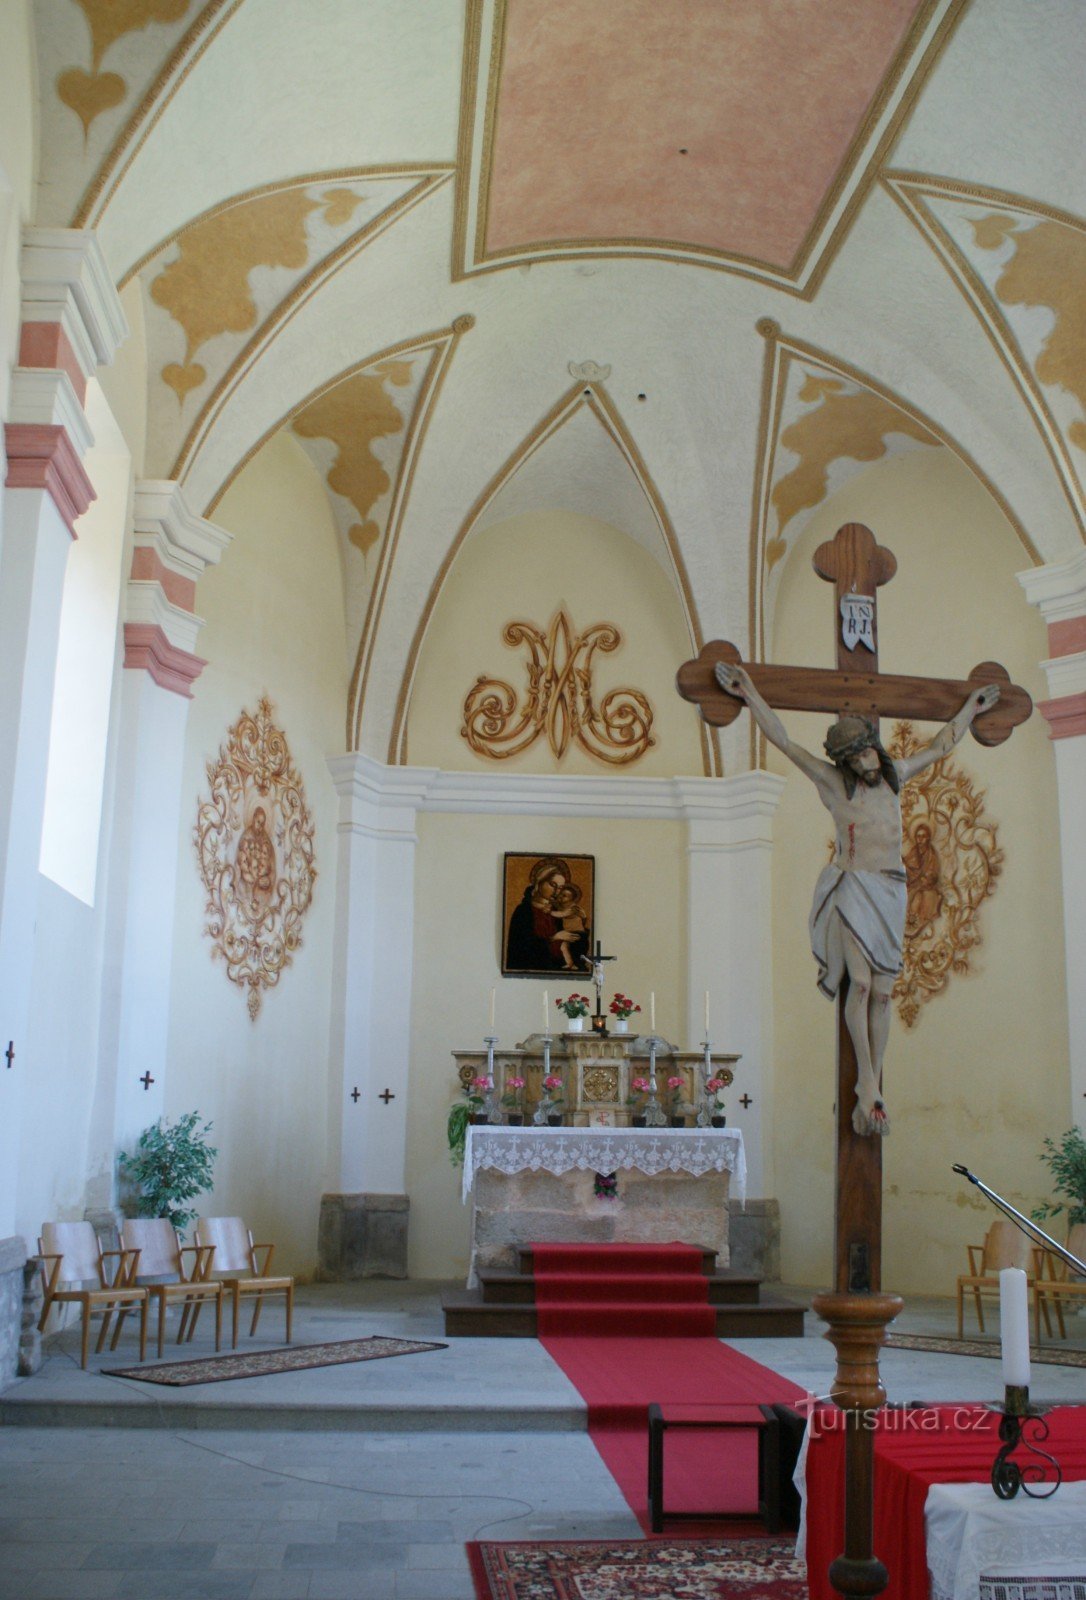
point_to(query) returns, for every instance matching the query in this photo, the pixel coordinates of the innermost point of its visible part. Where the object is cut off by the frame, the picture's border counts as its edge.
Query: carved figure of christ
(858, 917)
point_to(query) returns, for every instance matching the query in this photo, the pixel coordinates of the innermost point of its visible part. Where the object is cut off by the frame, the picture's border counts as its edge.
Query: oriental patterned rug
(260, 1363)
(651, 1569)
(1041, 1355)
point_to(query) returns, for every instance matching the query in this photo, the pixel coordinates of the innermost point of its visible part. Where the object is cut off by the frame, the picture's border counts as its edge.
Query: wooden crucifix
(857, 1311)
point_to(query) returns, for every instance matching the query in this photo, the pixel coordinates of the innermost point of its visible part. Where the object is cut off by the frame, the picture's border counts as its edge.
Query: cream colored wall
(982, 1076)
(274, 625)
(640, 888)
(526, 568)
(124, 381)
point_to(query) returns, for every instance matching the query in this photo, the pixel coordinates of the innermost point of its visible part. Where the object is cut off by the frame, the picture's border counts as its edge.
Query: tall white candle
(652, 1012)
(706, 1013)
(491, 1028)
(1014, 1326)
(546, 1011)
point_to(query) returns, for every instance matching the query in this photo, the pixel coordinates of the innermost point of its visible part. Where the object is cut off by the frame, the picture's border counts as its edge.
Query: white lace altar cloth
(649, 1150)
(983, 1548)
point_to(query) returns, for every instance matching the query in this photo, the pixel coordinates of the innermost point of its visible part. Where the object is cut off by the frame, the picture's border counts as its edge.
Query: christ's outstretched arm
(737, 681)
(955, 730)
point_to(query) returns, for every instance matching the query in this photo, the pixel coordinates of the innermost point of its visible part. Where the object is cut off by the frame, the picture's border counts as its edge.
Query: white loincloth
(871, 905)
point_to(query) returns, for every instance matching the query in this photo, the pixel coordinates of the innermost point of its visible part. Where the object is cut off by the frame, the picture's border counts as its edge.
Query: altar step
(503, 1306)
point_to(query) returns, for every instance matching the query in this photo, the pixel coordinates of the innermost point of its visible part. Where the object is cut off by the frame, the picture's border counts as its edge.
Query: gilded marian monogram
(254, 840)
(560, 701)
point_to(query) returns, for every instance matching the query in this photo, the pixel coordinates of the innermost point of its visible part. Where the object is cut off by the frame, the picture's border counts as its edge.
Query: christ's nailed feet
(871, 1120)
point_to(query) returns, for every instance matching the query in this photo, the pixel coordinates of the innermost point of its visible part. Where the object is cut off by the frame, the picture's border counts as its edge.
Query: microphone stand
(1026, 1224)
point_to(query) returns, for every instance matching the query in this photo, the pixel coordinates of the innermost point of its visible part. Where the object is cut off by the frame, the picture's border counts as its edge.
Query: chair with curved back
(1005, 1245)
(1058, 1284)
(74, 1272)
(162, 1269)
(236, 1266)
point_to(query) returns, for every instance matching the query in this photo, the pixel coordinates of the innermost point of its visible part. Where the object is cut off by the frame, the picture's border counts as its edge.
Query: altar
(542, 1185)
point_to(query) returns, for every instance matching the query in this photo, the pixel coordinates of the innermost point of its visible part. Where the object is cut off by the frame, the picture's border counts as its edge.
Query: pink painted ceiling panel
(597, 98)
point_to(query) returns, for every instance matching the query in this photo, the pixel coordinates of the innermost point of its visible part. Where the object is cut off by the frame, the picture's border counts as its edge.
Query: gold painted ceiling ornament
(560, 701)
(952, 860)
(254, 843)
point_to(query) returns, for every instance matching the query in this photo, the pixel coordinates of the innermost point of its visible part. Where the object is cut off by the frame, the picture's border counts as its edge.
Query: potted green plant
(639, 1088)
(171, 1164)
(553, 1090)
(714, 1088)
(673, 1099)
(513, 1100)
(461, 1113)
(1067, 1163)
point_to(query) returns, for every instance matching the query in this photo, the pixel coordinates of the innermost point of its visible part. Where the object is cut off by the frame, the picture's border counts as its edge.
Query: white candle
(491, 1028)
(652, 1012)
(546, 1011)
(706, 1013)
(1014, 1326)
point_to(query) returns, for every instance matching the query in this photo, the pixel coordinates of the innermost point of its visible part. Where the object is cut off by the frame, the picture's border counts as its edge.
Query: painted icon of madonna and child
(547, 914)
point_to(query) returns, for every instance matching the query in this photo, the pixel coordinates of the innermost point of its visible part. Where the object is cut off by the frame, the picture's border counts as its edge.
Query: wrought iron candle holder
(705, 1110)
(1016, 1416)
(654, 1112)
(493, 1099)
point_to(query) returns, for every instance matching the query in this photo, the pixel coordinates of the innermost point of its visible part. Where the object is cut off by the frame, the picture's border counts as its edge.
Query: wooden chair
(1004, 1246)
(1057, 1283)
(236, 1265)
(78, 1260)
(161, 1256)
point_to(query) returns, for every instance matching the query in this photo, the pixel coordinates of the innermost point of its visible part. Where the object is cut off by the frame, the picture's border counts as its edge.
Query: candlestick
(491, 1027)
(493, 1103)
(654, 1114)
(1014, 1327)
(652, 1012)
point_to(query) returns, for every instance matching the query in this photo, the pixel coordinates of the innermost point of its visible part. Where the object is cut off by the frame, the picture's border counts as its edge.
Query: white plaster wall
(18, 164)
(525, 569)
(641, 918)
(274, 625)
(982, 1077)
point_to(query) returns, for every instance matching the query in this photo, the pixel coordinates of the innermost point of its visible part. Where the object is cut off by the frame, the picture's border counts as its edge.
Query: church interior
(395, 397)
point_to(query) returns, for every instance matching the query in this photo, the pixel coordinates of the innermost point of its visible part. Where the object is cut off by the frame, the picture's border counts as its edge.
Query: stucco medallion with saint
(254, 842)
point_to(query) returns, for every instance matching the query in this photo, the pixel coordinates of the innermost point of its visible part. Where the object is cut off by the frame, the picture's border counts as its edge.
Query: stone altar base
(542, 1207)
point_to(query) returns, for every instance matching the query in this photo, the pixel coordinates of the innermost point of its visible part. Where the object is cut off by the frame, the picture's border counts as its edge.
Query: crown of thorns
(849, 736)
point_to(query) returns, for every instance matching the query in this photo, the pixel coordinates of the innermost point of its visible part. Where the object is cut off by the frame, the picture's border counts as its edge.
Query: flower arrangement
(715, 1086)
(574, 1005)
(553, 1087)
(513, 1098)
(622, 1007)
(639, 1087)
(674, 1096)
(461, 1112)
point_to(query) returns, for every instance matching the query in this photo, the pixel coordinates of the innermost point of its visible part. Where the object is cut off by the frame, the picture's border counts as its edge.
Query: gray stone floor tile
(342, 1557)
(251, 1556)
(25, 1556)
(48, 1585)
(186, 1586)
(144, 1557)
(280, 1586)
(371, 1584)
(434, 1586)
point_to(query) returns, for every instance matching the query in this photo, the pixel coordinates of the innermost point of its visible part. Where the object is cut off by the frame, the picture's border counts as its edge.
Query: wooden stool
(749, 1417)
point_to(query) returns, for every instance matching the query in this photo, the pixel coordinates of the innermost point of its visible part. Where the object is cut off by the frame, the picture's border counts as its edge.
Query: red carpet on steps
(629, 1324)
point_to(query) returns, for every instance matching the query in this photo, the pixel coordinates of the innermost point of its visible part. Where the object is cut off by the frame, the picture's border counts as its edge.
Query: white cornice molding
(145, 602)
(736, 810)
(1066, 674)
(184, 542)
(1058, 589)
(47, 396)
(65, 279)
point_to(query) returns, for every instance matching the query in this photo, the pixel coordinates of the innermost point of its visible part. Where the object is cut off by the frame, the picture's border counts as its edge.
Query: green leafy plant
(1067, 1163)
(461, 1113)
(172, 1163)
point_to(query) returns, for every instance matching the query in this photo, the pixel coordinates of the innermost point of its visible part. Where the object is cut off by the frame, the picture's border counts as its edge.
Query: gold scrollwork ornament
(254, 843)
(559, 701)
(952, 860)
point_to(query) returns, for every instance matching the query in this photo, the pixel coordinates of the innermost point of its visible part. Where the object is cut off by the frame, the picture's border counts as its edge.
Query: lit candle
(652, 1012)
(706, 1013)
(491, 1028)
(546, 1011)
(1014, 1327)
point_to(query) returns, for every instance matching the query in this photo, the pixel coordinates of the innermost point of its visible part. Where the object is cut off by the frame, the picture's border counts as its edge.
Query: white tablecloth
(983, 1548)
(649, 1150)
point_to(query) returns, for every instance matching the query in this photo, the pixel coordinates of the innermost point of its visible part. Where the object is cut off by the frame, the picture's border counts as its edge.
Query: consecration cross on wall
(859, 787)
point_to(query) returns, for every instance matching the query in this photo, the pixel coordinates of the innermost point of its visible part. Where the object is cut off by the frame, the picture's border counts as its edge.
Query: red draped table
(913, 1450)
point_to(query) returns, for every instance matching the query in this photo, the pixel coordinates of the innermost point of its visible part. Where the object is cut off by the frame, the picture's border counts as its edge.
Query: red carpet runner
(629, 1324)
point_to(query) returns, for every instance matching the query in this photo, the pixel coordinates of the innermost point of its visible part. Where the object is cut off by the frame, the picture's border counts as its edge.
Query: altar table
(914, 1449)
(978, 1545)
(531, 1184)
